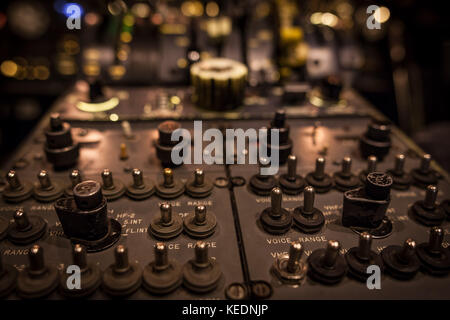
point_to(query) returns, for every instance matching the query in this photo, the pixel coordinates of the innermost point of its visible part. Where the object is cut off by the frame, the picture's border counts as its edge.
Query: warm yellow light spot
(126, 37)
(192, 8)
(116, 71)
(212, 9)
(175, 100)
(91, 54)
(182, 63)
(128, 20)
(316, 18)
(98, 107)
(8, 68)
(41, 72)
(113, 117)
(71, 47)
(329, 19)
(91, 69)
(182, 42)
(122, 55)
(141, 10)
(382, 14)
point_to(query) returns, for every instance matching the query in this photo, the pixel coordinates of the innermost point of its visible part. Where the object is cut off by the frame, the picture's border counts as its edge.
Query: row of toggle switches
(141, 187)
(161, 276)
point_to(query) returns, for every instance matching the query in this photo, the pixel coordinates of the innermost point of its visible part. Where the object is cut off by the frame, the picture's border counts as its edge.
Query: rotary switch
(37, 280)
(90, 277)
(275, 219)
(218, 83)
(284, 146)
(164, 145)
(327, 265)
(376, 141)
(426, 211)
(16, 191)
(84, 217)
(60, 149)
(291, 182)
(321, 181)
(361, 257)
(163, 275)
(307, 218)
(201, 274)
(123, 277)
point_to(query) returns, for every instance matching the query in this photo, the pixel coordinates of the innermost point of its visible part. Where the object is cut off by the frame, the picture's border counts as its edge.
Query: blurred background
(402, 67)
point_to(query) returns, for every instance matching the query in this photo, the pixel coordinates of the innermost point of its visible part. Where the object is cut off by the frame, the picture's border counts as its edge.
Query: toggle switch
(371, 167)
(289, 268)
(201, 223)
(162, 275)
(327, 265)
(307, 218)
(344, 179)
(423, 176)
(141, 188)
(199, 186)
(47, 190)
(201, 274)
(16, 190)
(112, 188)
(434, 257)
(262, 184)
(426, 211)
(320, 180)
(37, 280)
(165, 225)
(291, 182)
(90, 276)
(361, 257)
(169, 187)
(275, 219)
(123, 277)
(26, 229)
(75, 178)
(401, 262)
(401, 179)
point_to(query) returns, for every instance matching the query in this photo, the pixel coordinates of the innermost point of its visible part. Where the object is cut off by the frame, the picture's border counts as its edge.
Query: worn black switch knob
(424, 176)
(166, 226)
(84, 217)
(376, 140)
(288, 268)
(291, 182)
(320, 180)
(16, 190)
(26, 229)
(401, 262)
(201, 274)
(47, 190)
(163, 275)
(401, 179)
(307, 218)
(112, 188)
(141, 187)
(60, 149)
(199, 186)
(201, 223)
(284, 147)
(164, 144)
(123, 277)
(426, 211)
(276, 219)
(90, 276)
(170, 187)
(8, 278)
(344, 179)
(262, 184)
(434, 257)
(37, 280)
(361, 257)
(327, 265)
